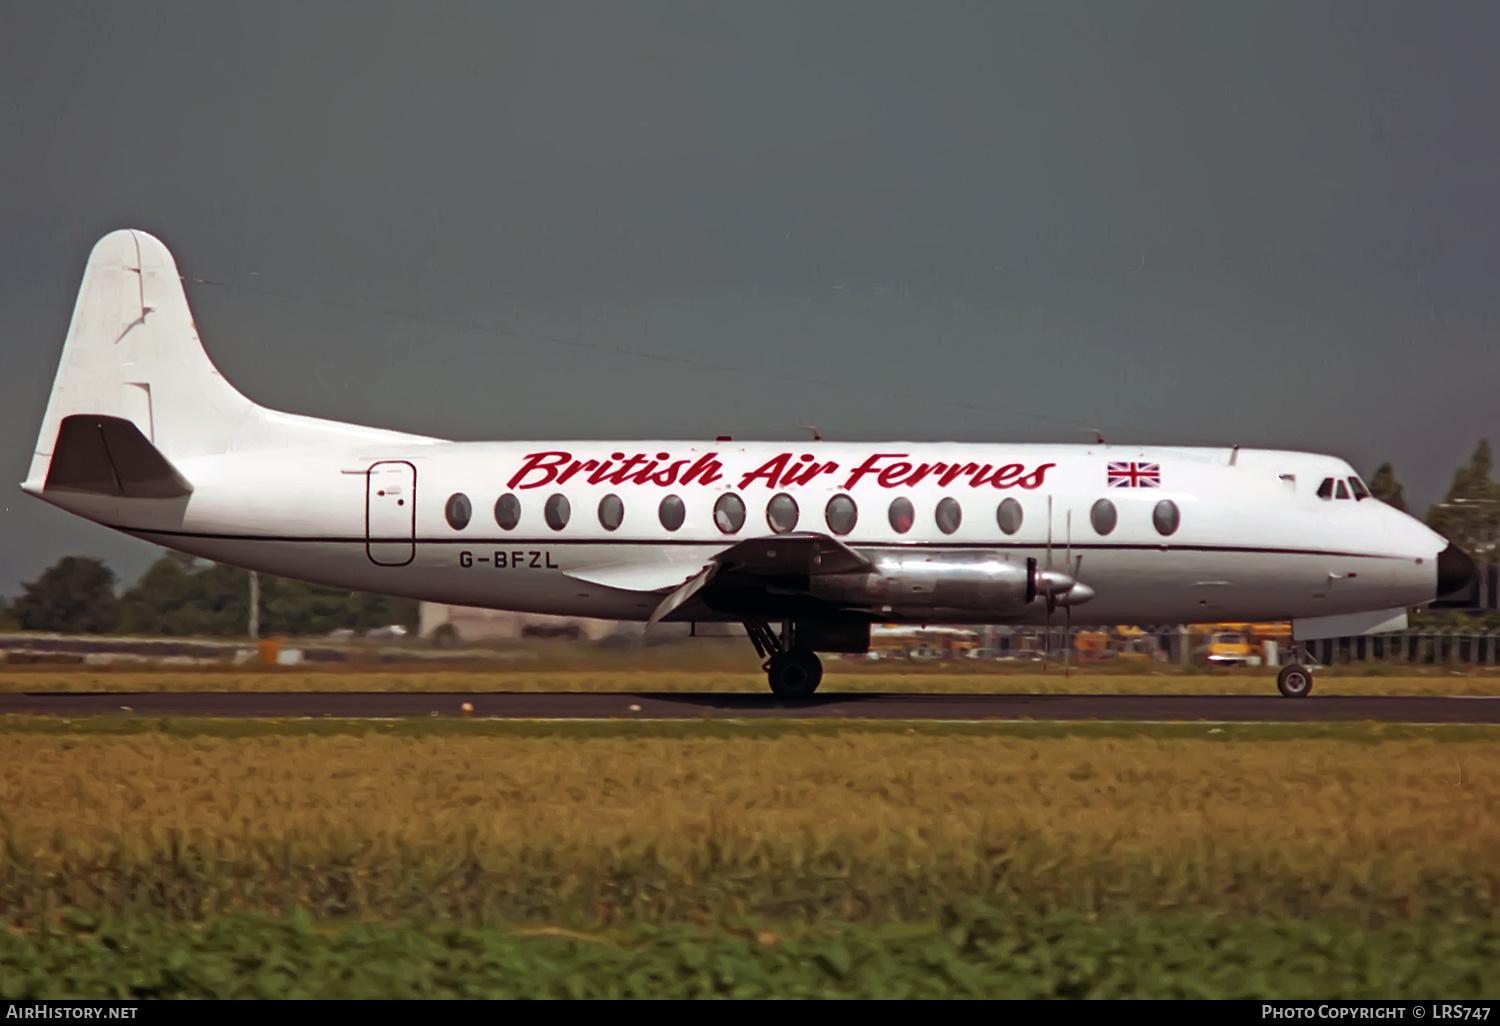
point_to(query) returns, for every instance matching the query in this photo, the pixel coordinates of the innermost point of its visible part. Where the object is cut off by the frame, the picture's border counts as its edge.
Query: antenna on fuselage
(817, 435)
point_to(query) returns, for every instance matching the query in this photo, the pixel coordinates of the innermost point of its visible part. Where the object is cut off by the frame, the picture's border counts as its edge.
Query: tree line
(178, 598)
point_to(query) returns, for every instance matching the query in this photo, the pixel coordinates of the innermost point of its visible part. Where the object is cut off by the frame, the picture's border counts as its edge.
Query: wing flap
(652, 576)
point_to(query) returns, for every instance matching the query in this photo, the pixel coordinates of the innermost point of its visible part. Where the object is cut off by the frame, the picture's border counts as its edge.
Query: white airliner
(807, 545)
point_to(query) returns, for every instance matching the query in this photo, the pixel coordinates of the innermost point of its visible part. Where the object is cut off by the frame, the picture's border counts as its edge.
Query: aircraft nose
(1455, 571)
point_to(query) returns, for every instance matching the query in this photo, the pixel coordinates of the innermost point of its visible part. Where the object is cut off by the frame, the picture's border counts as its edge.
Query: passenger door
(391, 513)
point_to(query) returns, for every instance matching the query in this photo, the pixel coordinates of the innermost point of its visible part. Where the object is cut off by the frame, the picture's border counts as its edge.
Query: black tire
(795, 674)
(1294, 681)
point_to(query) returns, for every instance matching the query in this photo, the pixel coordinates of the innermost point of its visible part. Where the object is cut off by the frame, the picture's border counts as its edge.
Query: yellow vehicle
(1129, 644)
(1242, 644)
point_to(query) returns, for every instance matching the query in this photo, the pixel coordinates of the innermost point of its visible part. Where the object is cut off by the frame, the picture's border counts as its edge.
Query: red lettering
(923, 469)
(546, 464)
(802, 475)
(771, 470)
(620, 475)
(603, 471)
(707, 469)
(1006, 476)
(1036, 477)
(891, 476)
(955, 471)
(868, 467)
(646, 474)
(668, 476)
(575, 468)
(795, 474)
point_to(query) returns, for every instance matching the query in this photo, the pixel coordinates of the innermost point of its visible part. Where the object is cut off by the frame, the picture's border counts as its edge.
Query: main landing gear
(792, 670)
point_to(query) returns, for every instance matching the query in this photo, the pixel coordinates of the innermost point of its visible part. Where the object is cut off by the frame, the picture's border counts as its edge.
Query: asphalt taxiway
(513, 705)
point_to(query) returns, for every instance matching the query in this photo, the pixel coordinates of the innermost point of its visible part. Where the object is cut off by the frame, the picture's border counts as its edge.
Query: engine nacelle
(910, 582)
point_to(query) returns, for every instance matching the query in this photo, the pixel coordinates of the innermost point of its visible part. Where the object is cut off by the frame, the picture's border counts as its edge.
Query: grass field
(980, 949)
(846, 823)
(478, 858)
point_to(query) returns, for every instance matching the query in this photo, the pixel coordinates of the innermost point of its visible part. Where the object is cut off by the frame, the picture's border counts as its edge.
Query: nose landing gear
(1294, 680)
(793, 671)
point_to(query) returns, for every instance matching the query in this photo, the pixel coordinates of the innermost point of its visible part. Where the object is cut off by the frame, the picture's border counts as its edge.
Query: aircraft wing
(759, 568)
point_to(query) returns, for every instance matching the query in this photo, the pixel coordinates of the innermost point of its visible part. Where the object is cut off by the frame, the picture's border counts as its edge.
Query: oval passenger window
(508, 511)
(729, 513)
(1103, 516)
(671, 512)
(1009, 516)
(949, 515)
(781, 513)
(902, 515)
(841, 514)
(1166, 517)
(556, 511)
(611, 512)
(458, 511)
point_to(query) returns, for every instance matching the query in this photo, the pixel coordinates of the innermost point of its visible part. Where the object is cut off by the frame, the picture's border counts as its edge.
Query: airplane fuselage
(1250, 537)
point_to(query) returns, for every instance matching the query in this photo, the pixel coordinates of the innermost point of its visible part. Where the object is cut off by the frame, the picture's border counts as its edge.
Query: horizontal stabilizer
(109, 456)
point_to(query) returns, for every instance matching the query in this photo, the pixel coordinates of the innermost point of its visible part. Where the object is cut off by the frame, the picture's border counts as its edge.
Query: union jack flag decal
(1135, 475)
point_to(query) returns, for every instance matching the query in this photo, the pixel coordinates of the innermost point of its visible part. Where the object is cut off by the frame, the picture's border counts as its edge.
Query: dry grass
(846, 676)
(853, 823)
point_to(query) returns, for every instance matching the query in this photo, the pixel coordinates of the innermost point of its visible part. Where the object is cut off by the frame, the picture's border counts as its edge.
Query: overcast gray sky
(1259, 223)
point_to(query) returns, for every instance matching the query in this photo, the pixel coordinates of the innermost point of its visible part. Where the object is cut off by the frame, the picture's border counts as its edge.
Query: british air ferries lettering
(885, 469)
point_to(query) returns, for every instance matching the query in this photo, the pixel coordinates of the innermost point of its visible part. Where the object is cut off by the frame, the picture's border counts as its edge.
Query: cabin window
(902, 515)
(781, 513)
(1341, 490)
(841, 514)
(1325, 490)
(1358, 488)
(1104, 516)
(611, 512)
(729, 513)
(671, 512)
(556, 511)
(458, 511)
(1166, 517)
(508, 511)
(949, 515)
(1008, 516)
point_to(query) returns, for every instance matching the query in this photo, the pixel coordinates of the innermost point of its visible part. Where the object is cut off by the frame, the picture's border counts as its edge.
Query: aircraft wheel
(795, 674)
(1294, 681)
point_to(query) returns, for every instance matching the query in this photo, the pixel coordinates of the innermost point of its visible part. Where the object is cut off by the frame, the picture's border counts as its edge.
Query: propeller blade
(1068, 652)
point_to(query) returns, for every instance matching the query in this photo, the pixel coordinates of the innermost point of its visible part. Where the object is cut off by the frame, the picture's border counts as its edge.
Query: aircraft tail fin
(133, 355)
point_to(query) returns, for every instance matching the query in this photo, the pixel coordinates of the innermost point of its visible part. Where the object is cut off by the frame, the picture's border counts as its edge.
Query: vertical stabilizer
(132, 352)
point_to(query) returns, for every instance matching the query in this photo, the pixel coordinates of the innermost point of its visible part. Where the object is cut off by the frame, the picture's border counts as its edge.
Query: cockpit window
(1358, 488)
(1341, 491)
(1325, 490)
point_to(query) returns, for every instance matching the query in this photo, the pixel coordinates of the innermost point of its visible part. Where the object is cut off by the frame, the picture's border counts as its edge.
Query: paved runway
(666, 706)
